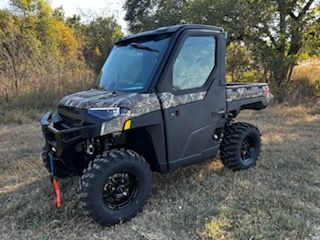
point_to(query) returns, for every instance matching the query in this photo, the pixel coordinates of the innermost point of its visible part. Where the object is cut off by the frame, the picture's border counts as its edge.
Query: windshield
(130, 67)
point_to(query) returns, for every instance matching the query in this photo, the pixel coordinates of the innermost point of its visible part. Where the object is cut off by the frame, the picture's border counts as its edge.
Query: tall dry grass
(304, 85)
(308, 69)
(40, 86)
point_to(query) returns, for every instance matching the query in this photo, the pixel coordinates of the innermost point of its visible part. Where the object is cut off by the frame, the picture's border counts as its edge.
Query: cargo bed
(254, 96)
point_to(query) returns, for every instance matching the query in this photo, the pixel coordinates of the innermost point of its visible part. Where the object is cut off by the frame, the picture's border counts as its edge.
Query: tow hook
(55, 182)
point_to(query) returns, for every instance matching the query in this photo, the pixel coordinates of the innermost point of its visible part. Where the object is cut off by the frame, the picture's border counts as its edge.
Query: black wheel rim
(119, 190)
(248, 149)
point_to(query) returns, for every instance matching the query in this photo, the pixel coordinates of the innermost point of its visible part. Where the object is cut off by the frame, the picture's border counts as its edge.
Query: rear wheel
(240, 146)
(115, 186)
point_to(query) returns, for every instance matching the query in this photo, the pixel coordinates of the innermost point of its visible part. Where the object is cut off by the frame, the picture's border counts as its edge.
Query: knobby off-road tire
(115, 186)
(240, 146)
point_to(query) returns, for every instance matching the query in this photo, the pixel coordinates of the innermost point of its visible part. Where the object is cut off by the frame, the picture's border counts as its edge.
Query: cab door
(193, 98)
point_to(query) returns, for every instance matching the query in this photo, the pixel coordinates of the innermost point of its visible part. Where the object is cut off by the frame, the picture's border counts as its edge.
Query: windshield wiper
(139, 46)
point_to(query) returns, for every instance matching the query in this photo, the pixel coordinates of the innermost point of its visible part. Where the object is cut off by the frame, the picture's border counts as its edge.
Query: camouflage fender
(146, 103)
(138, 104)
(169, 100)
(245, 92)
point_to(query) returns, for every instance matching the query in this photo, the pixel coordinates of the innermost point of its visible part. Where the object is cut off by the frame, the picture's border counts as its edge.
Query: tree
(312, 38)
(276, 33)
(17, 48)
(241, 67)
(43, 51)
(147, 14)
(34, 40)
(100, 35)
(273, 29)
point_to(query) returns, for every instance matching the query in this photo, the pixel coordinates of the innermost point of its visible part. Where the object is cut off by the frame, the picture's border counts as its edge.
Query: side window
(194, 62)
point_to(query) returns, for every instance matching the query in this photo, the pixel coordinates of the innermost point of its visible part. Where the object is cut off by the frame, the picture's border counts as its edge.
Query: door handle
(174, 113)
(219, 113)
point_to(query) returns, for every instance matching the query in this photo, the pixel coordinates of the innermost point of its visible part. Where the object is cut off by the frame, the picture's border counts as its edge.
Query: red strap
(56, 188)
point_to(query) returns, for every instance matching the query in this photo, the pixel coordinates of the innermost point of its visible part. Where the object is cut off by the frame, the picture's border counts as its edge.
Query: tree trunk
(280, 74)
(290, 73)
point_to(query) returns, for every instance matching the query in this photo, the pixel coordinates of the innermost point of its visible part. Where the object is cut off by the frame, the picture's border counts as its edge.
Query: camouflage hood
(102, 98)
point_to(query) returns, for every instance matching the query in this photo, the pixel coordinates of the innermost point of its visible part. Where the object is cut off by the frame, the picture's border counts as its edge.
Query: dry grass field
(278, 199)
(308, 69)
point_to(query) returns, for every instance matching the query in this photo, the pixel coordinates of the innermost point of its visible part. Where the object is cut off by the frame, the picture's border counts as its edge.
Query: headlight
(104, 112)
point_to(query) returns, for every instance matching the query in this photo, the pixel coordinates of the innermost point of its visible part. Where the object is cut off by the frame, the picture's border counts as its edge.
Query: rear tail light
(267, 91)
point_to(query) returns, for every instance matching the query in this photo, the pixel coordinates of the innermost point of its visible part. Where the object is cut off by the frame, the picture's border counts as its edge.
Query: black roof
(170, 29)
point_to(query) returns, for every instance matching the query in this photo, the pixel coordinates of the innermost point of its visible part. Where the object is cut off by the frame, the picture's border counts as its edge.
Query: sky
(88, 8)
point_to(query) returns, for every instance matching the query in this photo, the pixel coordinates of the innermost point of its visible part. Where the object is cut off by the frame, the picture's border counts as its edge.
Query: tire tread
(229, 145)
(95, 167)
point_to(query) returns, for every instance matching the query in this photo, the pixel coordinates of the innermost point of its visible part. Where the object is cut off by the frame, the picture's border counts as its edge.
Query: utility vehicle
(161, 101)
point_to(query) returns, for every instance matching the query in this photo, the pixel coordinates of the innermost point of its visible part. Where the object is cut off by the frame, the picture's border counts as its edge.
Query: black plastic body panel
(256, 103)
(153, 124)
(60, 137)
(190, 128)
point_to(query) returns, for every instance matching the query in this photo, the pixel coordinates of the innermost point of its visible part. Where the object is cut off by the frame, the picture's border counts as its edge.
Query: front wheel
(240, 146)
(115, 186)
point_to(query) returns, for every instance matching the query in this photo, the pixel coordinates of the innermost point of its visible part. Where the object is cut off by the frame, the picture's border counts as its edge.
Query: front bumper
(59, 136)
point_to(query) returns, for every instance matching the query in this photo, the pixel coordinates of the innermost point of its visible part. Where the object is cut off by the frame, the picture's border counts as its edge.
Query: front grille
(71, 121)
(71, 117)
(69, 109)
